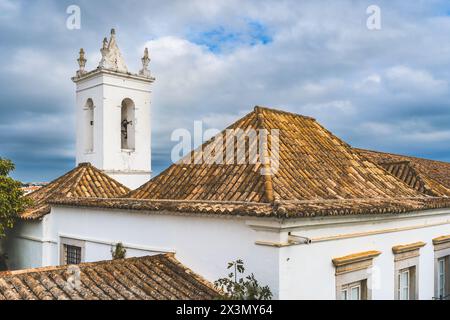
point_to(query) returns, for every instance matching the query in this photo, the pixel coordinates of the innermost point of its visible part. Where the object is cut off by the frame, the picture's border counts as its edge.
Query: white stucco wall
(107, 91)
(24, 245)
(207, 244)
(307, 271)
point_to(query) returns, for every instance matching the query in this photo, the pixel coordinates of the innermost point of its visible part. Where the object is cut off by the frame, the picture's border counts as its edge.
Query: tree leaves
(238, 287)
(6, 166)
(12, 201)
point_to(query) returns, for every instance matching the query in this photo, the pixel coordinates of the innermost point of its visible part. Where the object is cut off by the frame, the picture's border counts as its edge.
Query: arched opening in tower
(127, 125)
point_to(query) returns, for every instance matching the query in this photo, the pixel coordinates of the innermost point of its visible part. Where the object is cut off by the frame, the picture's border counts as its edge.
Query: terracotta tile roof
(84, 181)
(427, 176)
(318, 175)
(314, 165)
(277, 209)
(159, 277)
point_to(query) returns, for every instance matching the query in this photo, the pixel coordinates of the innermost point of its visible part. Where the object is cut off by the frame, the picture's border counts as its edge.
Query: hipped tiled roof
(314, 165)
(159, 277)
(85, 181)
(318, 175)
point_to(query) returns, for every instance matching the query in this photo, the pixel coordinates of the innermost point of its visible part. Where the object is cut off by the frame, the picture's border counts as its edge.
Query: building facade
(297, 258)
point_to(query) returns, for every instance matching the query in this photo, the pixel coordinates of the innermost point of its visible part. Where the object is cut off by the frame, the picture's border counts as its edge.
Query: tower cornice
(98, 71)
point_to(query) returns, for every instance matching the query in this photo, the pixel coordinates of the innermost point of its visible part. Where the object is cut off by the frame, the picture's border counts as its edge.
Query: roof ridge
(83, 169)
(400, 155)
(249, 117)
(68, 185)
(88, 165)
(269, 109)
(396, 162)
(54, 181)
(264, 156)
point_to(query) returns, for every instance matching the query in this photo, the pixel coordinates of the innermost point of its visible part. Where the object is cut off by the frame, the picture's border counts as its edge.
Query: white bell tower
(113, 116)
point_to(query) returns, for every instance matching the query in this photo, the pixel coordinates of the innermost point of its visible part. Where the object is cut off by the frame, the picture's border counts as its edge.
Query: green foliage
(240, 287)
(12, 201)
(118, 251)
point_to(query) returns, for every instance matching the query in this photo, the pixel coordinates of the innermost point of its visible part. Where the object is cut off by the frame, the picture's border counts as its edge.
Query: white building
(328, 222)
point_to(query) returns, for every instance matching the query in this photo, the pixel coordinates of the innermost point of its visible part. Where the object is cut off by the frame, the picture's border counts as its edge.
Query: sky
(213, 61)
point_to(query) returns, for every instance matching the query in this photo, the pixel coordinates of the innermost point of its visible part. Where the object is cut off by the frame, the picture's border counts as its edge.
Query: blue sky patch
(221, 37)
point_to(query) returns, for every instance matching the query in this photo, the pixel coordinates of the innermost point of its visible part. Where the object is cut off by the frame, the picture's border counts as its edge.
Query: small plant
(239, 287)
(118, 251)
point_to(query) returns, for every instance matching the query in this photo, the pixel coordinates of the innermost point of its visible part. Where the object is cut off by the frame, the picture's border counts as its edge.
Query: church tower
(113, 116)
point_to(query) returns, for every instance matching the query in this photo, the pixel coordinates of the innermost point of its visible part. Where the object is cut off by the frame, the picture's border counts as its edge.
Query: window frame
(442, 253)
(355, 269)
(409, 262)
(409, 275)
(67, 253)
(346, 290)
(70, 242)
(442, 275)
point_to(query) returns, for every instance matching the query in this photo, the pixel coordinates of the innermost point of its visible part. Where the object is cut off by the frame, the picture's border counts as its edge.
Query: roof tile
(318, 175)
(159, 277)
(85, 181)
(314, 164)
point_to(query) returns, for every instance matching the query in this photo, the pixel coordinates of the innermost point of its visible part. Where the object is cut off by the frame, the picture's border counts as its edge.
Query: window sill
(128, 150)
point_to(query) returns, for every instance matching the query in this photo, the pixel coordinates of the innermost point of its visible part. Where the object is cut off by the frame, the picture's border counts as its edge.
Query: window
(89, 126)
(404, 279)
(443, 277)
(127, 125)
(353, 275)
(354, 291)
(72, 254)
(442, 267)
(406, 258)
(72, 251)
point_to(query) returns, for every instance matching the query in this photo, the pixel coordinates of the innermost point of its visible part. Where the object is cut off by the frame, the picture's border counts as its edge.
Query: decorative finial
(111, 57)
(105, 43)
(104, 51)
(82, 63)
(145, 62)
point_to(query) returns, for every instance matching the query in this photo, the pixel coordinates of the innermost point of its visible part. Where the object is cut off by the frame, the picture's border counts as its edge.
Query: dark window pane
(72, 254)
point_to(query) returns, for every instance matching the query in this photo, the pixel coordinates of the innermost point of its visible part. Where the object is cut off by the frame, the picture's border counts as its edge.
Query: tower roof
(85, 181)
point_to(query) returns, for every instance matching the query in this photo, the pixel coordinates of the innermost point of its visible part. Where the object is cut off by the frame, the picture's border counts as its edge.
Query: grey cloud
(386, 89)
